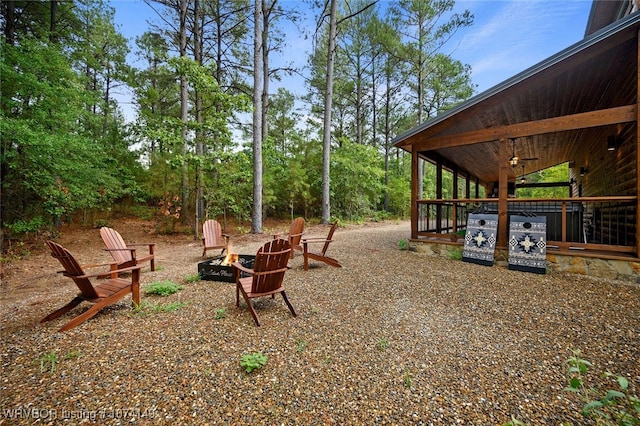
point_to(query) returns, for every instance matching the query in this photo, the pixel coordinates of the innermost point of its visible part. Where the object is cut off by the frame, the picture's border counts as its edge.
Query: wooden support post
(414, 191)
(439, 197)
(503, 193)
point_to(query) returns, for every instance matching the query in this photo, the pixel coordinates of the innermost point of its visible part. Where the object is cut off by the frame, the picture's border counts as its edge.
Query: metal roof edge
(575, 48)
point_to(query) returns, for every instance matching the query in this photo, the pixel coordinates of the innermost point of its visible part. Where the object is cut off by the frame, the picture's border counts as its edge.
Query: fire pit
(220, 269)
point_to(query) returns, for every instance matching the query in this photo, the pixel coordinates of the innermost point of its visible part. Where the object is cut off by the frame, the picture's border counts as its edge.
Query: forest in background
(190, 153)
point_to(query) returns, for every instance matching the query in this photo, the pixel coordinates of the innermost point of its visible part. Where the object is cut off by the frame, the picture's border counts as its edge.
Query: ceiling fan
(514, 160)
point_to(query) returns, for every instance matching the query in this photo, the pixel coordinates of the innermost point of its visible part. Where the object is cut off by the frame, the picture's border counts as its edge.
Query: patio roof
(587, 91)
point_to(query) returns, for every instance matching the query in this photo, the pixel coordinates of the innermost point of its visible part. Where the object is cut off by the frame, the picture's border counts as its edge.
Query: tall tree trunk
(326, 137)
(184, 107)
(52, 20)
(10, 23)
(256, 217)
(197, 42)
(266, 11)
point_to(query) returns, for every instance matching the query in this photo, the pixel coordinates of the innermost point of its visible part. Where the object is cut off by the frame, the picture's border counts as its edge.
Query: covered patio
(578, 107)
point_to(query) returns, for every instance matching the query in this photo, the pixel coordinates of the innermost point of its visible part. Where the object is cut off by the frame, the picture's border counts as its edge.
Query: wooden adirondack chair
(322, 256)
(124, 255)
(266, 276)
(296, 230)
(213, 237)
(104, 294)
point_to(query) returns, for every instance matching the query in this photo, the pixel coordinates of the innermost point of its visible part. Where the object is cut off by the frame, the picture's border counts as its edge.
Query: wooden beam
(623, 114)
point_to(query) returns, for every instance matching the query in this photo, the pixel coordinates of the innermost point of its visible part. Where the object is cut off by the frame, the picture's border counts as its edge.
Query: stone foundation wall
(593, 267)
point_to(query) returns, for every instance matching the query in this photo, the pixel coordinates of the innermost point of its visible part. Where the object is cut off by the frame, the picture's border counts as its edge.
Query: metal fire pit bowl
(214, 270)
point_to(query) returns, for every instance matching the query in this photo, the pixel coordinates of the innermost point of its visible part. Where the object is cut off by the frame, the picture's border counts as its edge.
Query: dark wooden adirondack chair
(104, 294)
(125, 255)
(213, 237)
(322, 255)
(265, 279)
(296, 230)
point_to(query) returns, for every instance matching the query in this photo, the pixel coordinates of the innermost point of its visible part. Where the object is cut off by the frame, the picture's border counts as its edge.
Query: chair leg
(97, 307)
(254, 314)
(66, 308)
(286, 300)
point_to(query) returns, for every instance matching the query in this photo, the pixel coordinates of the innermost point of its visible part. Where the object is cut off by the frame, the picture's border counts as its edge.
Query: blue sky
(507, 37)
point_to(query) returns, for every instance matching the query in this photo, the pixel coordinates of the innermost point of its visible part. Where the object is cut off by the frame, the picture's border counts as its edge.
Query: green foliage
(162, 288)
(193, 278)
(611, 407)
(357, 177)
(52, 162)
(48, 360)
(25, 227)
(559, 173)
(253, 361)
(403, 244)
(454, 253)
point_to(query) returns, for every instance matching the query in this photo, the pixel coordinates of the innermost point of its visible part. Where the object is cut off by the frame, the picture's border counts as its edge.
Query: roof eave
(604, 33)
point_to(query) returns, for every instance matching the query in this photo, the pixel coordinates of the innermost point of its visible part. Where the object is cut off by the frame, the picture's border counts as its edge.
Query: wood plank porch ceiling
(586, 92)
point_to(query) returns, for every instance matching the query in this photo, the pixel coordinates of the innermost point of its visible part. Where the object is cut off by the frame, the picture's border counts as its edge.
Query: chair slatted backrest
(212, 233)
(270, 265)
(114, 242)
(295, 231)
(73, 270)
(325, 247)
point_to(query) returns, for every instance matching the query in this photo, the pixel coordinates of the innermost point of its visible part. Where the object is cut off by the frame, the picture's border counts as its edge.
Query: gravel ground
(393, 337)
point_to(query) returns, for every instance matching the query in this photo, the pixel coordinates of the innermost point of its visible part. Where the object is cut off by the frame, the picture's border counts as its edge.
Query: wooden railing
(587, 223)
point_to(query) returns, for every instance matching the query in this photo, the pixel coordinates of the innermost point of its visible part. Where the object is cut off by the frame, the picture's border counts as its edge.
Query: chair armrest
(316, 240)
(104, 274)
(142, 244)
(239, 266)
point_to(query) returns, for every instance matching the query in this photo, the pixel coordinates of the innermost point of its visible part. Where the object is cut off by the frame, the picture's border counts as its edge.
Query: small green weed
(383, 344)
(613, 407)
(193, 278)
(253, 361)
(454, 254)
(514, 422)
(408, 378)
(73, 355)
(301, 345)
(403, 245)
(221, 313)
(48, 361)
(100, 223)
(162, 288)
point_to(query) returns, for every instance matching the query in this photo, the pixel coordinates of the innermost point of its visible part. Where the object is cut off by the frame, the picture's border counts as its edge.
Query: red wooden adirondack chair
(213, 237)
(322, 255)
(265, 279)
(101, 295)
(125, 255)
(296, 230)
